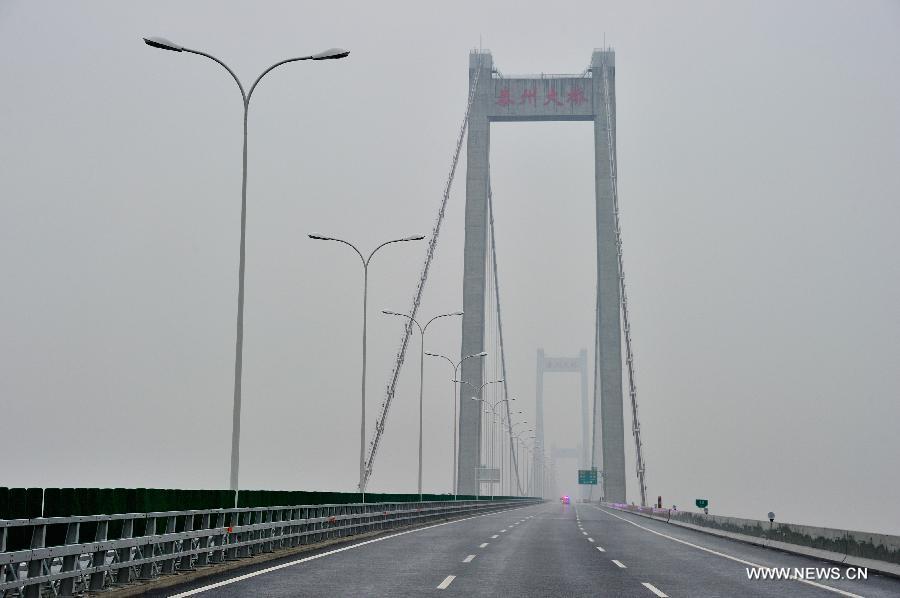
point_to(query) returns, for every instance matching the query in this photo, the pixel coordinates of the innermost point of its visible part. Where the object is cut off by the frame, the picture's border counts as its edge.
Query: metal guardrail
(149, 545)
(880, 552)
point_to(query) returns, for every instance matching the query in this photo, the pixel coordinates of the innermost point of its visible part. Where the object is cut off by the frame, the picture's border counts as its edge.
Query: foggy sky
(758, 149)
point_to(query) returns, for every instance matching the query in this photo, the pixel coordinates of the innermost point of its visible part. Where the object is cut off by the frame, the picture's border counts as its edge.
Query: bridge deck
(545, 550)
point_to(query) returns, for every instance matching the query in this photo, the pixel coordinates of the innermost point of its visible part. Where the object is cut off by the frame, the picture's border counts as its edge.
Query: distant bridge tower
(577, 365)
(546, 98)
(556, 454)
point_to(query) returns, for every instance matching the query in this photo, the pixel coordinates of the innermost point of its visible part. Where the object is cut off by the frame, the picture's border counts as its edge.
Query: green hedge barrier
(27, 503)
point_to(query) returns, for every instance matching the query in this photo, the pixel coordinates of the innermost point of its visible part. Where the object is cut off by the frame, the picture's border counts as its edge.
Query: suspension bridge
(499, 536)
(494, 97)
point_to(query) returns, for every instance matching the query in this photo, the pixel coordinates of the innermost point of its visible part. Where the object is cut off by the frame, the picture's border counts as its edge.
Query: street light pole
(422, 330)
(493, 413)
(478, 398)
(332, 54)
(514, 450)
(453, 399)
(362, 420)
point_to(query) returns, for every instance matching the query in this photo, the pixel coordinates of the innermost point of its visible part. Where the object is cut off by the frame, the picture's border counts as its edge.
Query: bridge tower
(577, 365)
(580, 97)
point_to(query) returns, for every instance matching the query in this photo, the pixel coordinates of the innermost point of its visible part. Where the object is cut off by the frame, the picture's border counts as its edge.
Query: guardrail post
(67, 585)
(316, 513)
(305, 527)
(203, 544)
(234, 519)
(168, 565)
(98, 559)
(149, 548)
(218, 555)
(248, 536)
(262, 534)
(123, 575)
(6, 571)
(268, 532)
(280, 530)
(36, 566)
(294, 514)
(187, 544)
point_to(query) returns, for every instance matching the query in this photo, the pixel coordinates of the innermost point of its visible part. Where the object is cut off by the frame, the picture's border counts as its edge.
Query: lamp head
(163, 44)
(331, 54)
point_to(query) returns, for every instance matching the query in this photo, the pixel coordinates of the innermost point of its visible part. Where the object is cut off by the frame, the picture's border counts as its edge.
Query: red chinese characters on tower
(575, 96)
(529, 96)
(552, 97)
(505, 99)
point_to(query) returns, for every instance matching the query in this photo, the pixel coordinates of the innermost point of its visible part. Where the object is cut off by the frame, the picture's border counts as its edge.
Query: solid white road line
(654, 589)
(495, 536)
(727, 556)
(469, 558)
(600, 548)
(621, 566)
(318, 556)
(446, 583)
(483, 545)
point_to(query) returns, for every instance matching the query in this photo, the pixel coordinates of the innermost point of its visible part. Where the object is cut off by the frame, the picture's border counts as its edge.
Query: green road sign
(587, 476)
(702, 503)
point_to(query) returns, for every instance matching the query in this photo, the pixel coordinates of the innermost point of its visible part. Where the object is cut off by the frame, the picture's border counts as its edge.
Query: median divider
(879, 552)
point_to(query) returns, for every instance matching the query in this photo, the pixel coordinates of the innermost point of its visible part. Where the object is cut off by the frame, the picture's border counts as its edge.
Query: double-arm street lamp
(422, 330)
(455, 422)
(362, 420)
(332, 54)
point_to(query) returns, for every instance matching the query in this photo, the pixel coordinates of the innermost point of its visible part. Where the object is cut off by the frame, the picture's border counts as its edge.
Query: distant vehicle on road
(564, 500)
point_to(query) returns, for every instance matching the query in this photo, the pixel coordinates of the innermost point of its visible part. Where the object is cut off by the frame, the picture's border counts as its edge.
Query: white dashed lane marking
(600, 548)
(590, 539)
(655, 590)
(321, 555)
(620, 565)
(446, 583)
(727, 556)
(483, 545)
(495, 536)
(469, 558)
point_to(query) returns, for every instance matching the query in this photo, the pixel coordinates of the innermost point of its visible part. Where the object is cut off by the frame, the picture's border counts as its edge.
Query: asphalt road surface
(543, 550)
